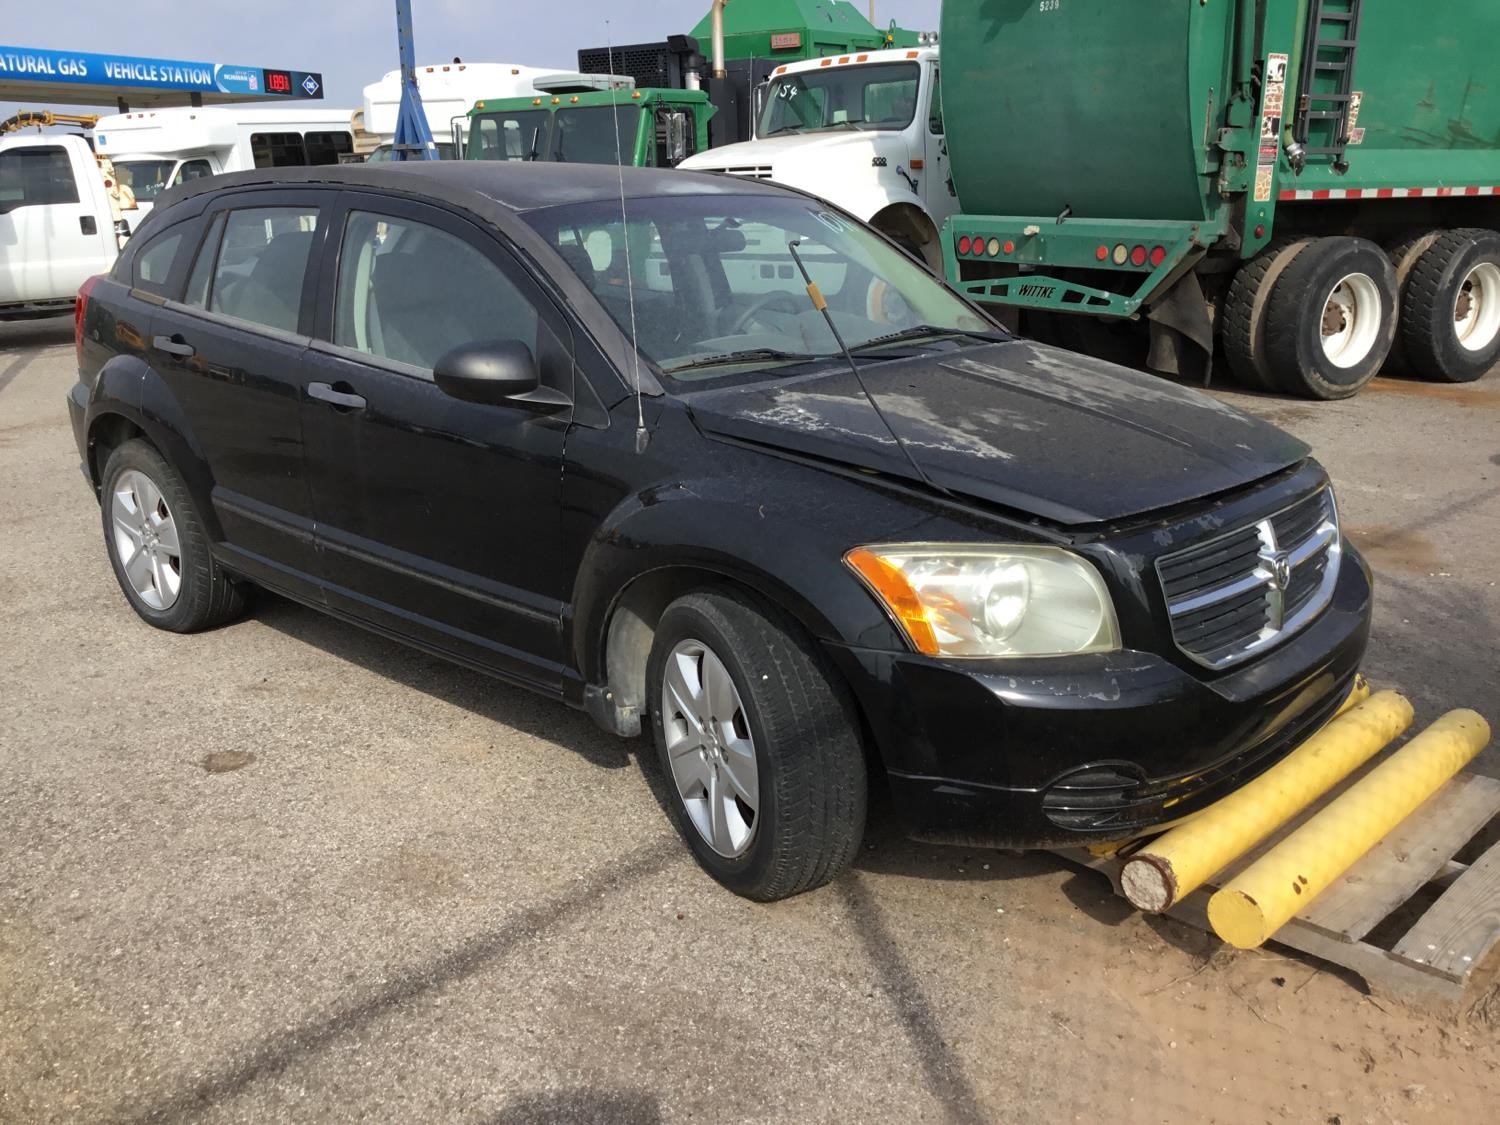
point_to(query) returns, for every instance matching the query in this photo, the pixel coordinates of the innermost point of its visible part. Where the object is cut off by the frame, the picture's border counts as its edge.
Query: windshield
(521, 135)
(146, 179)
(587, 136)
(878, 96)
(714, 277)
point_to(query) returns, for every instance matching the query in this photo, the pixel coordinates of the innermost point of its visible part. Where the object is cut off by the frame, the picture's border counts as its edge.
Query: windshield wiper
(925, 331)
(746, 355)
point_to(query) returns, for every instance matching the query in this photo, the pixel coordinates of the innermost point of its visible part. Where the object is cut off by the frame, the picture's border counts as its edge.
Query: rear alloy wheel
(760, 747)
(1331, 318)
(157, 545)
(1450, 314)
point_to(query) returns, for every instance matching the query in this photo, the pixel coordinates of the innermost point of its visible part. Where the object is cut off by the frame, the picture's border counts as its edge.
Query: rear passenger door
(231, 349)
(438, 519)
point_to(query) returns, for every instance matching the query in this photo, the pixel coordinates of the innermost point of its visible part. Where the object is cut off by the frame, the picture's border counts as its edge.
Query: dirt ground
(290, 870)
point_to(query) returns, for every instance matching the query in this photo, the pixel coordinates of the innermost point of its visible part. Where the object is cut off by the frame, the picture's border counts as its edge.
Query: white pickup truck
(863, 130)
(57, 223)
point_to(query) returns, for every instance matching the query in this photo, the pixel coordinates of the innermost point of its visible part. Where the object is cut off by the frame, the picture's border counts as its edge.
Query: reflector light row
(976, 246)
(1137, 255)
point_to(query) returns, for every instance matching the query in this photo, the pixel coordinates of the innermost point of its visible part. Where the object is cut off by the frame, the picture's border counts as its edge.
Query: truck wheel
(158, 547)
(759, 747)
(1242, 337)
(1331, 318)
(1450, 315)
(1404, 256)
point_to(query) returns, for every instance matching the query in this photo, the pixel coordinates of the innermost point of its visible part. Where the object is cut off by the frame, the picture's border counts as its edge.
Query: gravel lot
(292, 869)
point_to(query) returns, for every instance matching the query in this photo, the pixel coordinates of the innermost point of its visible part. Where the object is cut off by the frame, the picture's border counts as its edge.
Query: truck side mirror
(674, 131)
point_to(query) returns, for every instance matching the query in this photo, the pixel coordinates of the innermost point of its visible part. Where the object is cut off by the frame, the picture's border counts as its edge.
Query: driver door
(938, 190)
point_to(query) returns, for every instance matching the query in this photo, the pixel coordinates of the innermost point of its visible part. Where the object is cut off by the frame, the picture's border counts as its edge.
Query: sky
(353, 42)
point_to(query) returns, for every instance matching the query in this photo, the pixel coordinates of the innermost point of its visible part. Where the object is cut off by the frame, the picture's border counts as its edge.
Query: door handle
(172, 345)
(342, 399)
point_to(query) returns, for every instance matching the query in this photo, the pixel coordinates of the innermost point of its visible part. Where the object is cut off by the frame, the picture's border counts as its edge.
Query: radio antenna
(820, 303)
(641, 437)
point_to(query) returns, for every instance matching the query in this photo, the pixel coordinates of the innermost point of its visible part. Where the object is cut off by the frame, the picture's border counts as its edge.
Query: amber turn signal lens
(891, 586)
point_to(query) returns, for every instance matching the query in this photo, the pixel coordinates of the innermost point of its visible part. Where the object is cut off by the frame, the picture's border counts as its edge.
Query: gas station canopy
(81, 78)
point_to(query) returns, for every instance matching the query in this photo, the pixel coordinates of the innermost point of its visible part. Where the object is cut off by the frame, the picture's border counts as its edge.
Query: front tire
(759, 746)
(1331, 318)
(157, 545)
(1450, 313)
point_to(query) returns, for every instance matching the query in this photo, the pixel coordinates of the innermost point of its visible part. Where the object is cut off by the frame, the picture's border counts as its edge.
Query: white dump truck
(864, 130)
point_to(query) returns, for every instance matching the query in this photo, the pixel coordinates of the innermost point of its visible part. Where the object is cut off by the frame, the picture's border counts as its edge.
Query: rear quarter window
(151, 267)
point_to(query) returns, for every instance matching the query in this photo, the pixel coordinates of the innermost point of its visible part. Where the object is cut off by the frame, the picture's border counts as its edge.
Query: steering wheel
(790, 303)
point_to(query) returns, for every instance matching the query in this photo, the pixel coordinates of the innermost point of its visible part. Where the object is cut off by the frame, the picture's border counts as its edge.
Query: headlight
(959, 600)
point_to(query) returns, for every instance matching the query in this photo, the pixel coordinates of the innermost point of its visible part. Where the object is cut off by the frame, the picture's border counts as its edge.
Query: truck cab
(656, 128)
(57, 223)
(864, 130)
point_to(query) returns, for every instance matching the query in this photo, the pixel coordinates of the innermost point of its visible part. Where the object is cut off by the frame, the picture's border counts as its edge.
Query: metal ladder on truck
(1325, 56)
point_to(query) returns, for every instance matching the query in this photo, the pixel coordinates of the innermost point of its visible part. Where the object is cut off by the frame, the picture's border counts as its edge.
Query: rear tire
(1450, 312)
(1242, 337)
(782, 716)
(1331, 318)
(157, 545)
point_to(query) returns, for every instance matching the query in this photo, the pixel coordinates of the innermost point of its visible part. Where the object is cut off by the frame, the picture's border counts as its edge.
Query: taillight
(80, 308)
(963, 244)
(1138, 256)
(994, 248)
(1102, 253)
(979, 244)
(1158, 255)
(1009, 247)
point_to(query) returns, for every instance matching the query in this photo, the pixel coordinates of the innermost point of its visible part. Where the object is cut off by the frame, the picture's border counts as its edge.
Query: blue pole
(413, 137)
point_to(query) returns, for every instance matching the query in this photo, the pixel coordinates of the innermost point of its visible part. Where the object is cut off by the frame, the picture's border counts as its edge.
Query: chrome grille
(1241, 592)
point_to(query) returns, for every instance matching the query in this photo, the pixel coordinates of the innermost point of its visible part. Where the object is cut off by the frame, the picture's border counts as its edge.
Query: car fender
(128, 388)
(741, 535)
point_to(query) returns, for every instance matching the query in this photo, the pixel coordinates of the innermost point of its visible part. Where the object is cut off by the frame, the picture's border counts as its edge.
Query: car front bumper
(1068, 750)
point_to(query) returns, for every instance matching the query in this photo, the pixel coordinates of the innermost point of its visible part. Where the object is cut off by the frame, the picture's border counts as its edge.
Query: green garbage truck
(579, 125)
(1302, 191)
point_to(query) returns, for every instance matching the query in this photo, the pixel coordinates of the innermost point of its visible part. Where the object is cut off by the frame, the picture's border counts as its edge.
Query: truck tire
(1450, 313)
(1331, 318)
(1242, 335)
(1404, 254)
(772, 803)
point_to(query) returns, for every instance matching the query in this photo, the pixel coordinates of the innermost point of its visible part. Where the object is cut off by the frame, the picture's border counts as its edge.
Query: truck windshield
(521, 135)
(587, 135)
(146, 179)
(877, 96)
(717, 290)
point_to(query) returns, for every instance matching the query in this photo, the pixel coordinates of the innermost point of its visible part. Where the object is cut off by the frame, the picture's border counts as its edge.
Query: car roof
(515, 186)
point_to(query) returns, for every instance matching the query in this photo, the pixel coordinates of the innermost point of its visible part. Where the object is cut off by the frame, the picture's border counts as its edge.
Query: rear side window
(153, 264)
(278, 150)
(410, 292)
(253, 264)
(36, 177)
(326, 148)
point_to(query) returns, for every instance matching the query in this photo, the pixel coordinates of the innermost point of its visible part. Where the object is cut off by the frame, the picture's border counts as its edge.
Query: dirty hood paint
(1032, 428)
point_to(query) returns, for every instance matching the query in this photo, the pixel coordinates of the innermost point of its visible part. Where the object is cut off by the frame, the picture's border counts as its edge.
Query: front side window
(596, 134)
(259, 265)
(36, 177)
(192, 170)
(711, 276)
(146, 179)
(935, 108)
(520, 135)
(877, 96)
(410, 292)
(153, 263)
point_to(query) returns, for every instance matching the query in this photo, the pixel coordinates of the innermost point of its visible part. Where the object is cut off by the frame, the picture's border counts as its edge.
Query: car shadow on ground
(482, 695)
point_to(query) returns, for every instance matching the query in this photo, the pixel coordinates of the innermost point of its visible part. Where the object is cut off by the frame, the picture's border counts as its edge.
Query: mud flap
(1182, 332)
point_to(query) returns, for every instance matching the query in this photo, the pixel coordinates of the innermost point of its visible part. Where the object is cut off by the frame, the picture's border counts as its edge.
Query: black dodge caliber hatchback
(712, 459)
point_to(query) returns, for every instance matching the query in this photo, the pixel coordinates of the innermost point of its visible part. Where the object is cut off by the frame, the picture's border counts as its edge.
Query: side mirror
(496, 372)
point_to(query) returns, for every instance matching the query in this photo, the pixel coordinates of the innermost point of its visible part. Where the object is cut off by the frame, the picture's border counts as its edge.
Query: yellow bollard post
(1271, 891)
(1181, 861)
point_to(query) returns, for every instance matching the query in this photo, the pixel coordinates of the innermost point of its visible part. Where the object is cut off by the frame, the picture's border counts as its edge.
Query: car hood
(765, 153)
(1033, 428)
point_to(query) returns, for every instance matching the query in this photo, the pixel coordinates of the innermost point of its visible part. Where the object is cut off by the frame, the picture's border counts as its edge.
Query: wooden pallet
(1373, 921)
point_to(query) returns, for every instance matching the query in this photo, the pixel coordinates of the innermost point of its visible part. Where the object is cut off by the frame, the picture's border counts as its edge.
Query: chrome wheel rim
(146, 542)
(1476, 308)
(710, 748)
(1351, 320)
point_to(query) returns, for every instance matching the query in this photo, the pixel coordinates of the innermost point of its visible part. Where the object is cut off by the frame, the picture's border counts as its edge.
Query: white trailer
(449, 91)
(157, 149)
